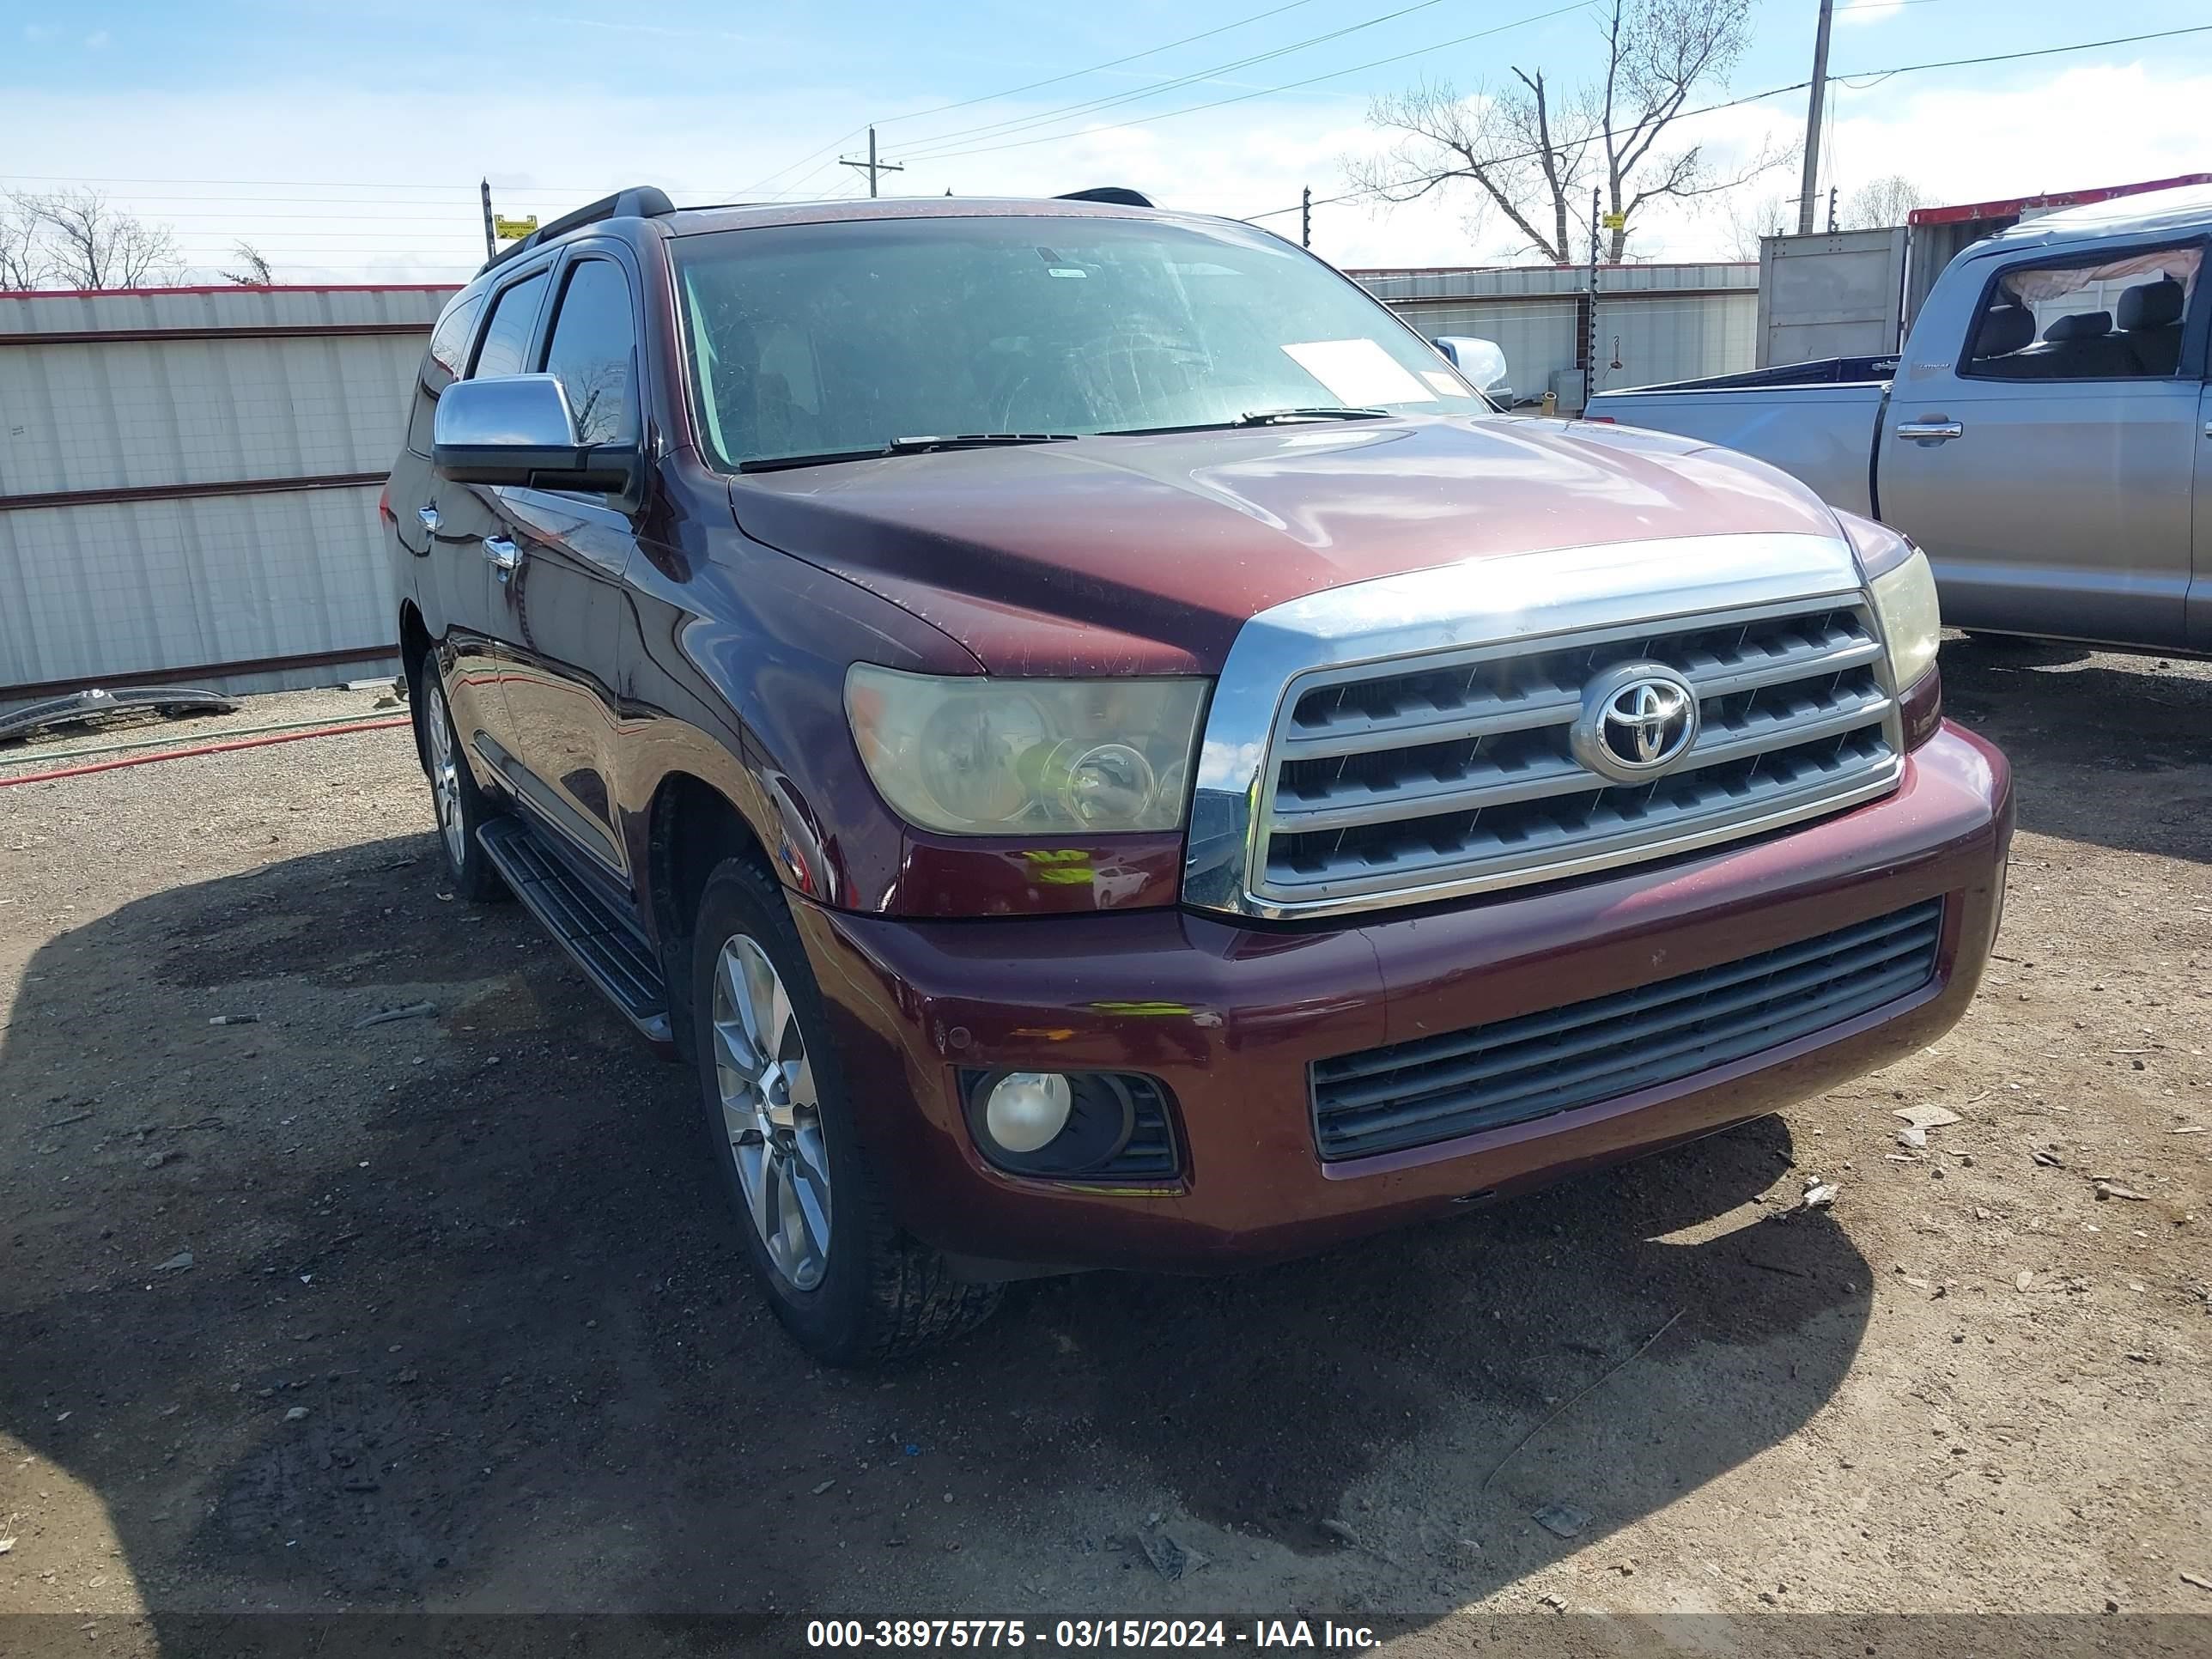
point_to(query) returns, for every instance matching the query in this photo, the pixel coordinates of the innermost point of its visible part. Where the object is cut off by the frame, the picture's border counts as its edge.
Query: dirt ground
(447, 1312)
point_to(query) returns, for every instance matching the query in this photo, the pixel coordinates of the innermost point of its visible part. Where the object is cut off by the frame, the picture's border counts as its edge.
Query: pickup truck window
(2110, 317)
(814, 339)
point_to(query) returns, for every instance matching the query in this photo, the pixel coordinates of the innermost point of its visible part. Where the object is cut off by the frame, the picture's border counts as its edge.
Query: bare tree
(254, 270)
(90, 244)
(1751, 224)
(1534, 150)
(22, 261)
(1882, 201)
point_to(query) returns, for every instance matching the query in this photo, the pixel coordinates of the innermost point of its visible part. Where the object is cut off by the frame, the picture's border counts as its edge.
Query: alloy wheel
(772, 1112)
(445, 771)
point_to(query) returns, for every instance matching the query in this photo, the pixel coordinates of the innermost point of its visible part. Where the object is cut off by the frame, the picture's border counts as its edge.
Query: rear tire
(848, 1284)
(460, 807)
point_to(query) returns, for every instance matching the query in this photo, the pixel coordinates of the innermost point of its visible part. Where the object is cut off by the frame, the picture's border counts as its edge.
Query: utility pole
(1589, 347)
(491, 242)
(871, 167)
(1305, 217)
(1811, 184)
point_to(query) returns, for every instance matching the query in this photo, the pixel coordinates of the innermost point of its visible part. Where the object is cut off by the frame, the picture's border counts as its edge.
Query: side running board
(612, 957)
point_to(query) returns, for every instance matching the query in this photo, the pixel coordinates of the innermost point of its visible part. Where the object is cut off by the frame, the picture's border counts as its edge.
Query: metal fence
(1653, 323)
(188, 483)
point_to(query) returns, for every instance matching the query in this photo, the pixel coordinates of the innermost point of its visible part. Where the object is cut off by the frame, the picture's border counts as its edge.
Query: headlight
(1904, 599)
(979, 756)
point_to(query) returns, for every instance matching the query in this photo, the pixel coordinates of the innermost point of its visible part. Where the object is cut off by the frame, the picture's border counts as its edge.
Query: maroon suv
(1104, 749)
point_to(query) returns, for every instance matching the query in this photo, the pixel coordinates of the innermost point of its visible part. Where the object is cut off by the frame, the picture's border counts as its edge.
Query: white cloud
(35, 32)
(1867, 11)
(97, 40)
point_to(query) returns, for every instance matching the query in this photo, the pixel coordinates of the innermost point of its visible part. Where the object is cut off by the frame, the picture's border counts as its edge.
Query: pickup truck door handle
(428, 515)
(1930, 431)
(502, 552)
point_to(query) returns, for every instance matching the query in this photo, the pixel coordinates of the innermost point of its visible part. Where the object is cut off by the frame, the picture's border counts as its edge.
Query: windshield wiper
(1319, 412)
(1257, 417)
(918, 445)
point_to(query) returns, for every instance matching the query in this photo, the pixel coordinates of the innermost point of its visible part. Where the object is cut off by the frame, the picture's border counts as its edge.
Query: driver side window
(2113, 316)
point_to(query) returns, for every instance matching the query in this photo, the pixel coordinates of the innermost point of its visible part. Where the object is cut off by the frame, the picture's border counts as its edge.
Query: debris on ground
(823, 1487)
(1909, 1136)
(2186, 1577)
(2047, 1158)
(63, 1122)
(236, 1019)
(1553, 1602)
(1924, 1118)
(175, 1264)
(2023, 1278)
(1340, 1531)
(1170, 1559)
(1819, 1195)
(1561, 1520)
(2105, 1189)
(155, 1160)
(412, 1010)
(298, 1413)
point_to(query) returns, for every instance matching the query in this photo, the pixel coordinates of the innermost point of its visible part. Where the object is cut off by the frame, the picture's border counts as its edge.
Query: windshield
(817, 339)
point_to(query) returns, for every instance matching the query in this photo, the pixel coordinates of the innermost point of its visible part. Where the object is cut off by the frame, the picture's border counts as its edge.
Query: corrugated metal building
(188, 483)
(1655, 323)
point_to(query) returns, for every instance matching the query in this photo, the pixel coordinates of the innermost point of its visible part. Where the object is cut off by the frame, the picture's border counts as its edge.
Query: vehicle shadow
(2095, 740)
(465, 1324)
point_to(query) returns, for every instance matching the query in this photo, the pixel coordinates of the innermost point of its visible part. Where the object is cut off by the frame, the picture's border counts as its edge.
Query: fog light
(1027, 1109)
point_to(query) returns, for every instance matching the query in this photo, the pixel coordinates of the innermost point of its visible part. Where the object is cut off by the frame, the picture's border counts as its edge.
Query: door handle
(502, 552)
(428, 515)
(1935, 431)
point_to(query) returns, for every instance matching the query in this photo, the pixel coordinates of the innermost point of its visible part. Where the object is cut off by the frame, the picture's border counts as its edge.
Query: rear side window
(441, 366)
(2113, 317)
(449, 341)
(506, 336)
(590, 352)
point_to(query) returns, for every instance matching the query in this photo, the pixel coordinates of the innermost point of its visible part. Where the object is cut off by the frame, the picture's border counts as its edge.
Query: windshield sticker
(1445, 383)
(1066, 270)
(1359, 372)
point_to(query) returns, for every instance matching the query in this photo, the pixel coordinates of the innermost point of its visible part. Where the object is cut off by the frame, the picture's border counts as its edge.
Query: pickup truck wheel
(845, 1281)
(460, 807)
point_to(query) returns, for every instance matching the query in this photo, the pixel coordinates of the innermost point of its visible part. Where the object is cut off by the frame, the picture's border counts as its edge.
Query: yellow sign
(1613, 222)
(511, 230)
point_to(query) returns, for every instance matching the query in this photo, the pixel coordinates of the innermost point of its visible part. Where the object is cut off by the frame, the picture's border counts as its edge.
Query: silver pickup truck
(2045, 434)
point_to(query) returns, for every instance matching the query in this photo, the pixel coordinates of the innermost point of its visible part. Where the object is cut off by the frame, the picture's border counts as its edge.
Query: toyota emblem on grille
(1637, 721)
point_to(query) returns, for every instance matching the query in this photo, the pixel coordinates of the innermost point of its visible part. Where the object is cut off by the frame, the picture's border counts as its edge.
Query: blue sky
(345, 141)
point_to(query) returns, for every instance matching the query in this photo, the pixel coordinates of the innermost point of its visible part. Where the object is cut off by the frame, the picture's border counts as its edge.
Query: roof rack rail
(1118, 195)
(639, 202)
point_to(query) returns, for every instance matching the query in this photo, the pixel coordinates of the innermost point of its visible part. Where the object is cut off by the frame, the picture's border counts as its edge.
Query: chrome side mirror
(518, 429)
(1480, 362)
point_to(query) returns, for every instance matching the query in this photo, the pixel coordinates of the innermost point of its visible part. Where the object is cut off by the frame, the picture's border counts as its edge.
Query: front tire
(849, 1285)
(461, 808)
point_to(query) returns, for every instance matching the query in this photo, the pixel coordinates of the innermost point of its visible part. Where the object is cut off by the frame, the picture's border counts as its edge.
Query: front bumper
(1231, 1016)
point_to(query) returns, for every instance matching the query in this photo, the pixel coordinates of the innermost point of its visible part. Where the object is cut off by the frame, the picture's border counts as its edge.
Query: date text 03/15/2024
(1079, 1635)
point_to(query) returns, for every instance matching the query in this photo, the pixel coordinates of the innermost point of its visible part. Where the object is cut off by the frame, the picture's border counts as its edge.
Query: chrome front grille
(1420, 777)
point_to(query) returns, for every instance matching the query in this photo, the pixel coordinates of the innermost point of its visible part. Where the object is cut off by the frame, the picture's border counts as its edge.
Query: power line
(918, 147)
(1267, 91)
(1794, 86)
(1011, 91)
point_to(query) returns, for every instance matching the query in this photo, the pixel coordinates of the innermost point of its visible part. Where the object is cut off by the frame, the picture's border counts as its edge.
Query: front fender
(737, 677)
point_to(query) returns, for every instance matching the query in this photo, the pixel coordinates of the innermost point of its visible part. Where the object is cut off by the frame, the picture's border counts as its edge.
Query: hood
(1146, 555)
